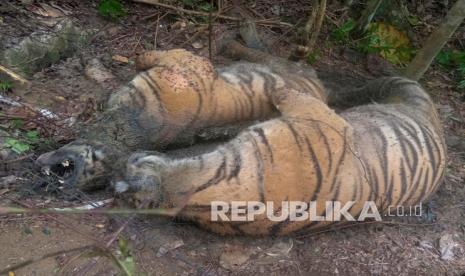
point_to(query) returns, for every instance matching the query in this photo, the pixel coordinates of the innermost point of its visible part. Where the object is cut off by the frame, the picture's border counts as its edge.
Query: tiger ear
(147, 60)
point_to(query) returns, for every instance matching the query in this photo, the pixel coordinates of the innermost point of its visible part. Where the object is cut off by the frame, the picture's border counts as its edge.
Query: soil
(163, 246)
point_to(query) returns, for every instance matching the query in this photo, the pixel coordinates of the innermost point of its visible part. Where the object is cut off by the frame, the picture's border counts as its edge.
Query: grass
(454, 60)
(111, 9)
(5, 86)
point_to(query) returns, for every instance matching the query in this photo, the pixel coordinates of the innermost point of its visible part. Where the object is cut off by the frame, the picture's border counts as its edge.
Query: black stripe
(199, 91)
(237, 160)
(436, 168)
(276, 228)
(327, 147)
(425, 187)
(217, 178)
(259, 170)
(385, 159)
(417, 183)
(264, 140)
(317, 167)
(140, 98)
(341, 159)
(295, 134)
(269, 82)
(404, 183)
(251, 111)
(153, 86)
(429, 149)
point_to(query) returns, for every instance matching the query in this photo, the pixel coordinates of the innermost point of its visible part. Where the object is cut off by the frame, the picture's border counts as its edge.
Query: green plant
(126, 260)
(198, 4)
(111, 9)
(342, 33)
(380, 38)
(390, 43)
(5, 86)
(23, 144)
(312, 57)
(453, 60)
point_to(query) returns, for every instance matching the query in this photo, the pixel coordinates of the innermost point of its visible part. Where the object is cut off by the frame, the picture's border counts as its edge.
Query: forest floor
(161, 246)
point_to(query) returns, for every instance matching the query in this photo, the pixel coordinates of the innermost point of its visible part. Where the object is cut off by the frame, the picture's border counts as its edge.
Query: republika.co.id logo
(300, 211)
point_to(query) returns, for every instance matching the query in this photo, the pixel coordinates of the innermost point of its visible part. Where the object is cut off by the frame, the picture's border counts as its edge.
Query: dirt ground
(161, 246)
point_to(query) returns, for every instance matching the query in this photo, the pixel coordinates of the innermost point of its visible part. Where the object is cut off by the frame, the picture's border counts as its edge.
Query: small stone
(456, 142)
(280, 248)
(426, 245)
(447, 246)
(169, 247)
(234, 256)
(120, 58)
(197, 45)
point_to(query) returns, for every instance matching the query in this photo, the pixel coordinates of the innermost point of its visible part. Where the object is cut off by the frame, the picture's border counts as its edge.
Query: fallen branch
(17, 210)
(320, 16)
(217, 15)
(13, 75)
(7, 270)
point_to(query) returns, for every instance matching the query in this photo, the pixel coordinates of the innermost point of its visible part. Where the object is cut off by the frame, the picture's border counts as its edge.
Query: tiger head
(143, 179)
(78, 164)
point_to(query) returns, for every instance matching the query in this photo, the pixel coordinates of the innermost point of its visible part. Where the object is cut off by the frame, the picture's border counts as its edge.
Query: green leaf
(5, 86)
(205, 6)
(312, 57)
(111, 9)
(461, 84)
(17, 146)
(128, 265)
(342, 33)
(444, 58)
(17, 123)
(413, 20)
(123, 247)
(32, 136)
(188, 2)
(390, 43)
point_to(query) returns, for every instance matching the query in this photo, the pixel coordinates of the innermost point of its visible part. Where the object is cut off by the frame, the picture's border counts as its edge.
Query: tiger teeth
(46, 170)
(65, 163)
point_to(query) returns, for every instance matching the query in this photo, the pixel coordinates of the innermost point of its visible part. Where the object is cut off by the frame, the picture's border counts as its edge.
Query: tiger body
(176, 96)
(391, 153)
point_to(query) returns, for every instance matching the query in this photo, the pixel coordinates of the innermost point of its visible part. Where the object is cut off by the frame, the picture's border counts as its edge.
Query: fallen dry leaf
(120, 58)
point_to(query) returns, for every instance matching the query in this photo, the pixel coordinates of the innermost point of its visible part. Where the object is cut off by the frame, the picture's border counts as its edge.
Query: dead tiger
(178, 95)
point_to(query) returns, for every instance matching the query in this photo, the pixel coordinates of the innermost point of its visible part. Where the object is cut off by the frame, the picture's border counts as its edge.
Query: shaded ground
(166, 247)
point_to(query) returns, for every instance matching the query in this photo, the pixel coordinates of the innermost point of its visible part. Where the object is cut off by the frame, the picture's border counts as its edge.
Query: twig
(156, 32)
(115, 235)
(317, 26)
(210, 29)
(16, 210)
(16, 159)
(309, 26)
(137, 44)
(231, 18)
(72, 227)
(43, 257)
(13, 75)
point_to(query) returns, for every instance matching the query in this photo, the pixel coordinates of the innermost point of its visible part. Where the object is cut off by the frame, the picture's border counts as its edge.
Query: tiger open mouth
(64, 170)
